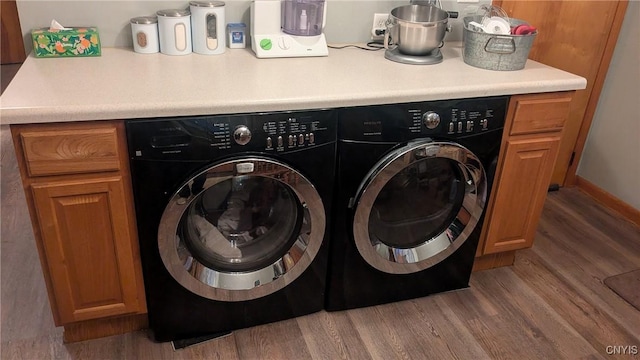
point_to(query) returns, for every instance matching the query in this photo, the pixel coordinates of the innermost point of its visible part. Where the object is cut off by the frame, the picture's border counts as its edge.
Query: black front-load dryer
(233, 216)
(412, 185)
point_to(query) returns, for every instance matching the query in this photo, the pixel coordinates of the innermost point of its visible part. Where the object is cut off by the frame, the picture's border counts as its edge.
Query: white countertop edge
(152, 110)
(24, 103)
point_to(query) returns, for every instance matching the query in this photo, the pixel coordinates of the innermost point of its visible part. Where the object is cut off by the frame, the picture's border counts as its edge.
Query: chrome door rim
(219, 285)
(436, 249)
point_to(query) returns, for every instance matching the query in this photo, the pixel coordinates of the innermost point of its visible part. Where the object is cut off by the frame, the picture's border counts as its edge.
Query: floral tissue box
(64, 43)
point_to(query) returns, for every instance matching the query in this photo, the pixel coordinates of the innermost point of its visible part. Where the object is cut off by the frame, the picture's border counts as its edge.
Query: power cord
(370, 46)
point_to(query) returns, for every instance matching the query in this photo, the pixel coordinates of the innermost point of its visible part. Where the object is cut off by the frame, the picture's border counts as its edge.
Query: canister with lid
(208, 25)
(174, 28)
(144, 30)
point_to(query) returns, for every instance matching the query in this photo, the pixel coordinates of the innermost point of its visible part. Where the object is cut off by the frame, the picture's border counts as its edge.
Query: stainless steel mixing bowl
(416, 29)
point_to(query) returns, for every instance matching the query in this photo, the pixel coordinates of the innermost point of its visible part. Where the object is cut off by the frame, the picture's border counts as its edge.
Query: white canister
(207, 27)
(144, 30)
(174, 28)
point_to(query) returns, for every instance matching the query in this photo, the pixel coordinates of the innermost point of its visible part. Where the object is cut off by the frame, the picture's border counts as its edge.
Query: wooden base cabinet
(530, 145)
(86, 238)
(78, 188)
(520, 197)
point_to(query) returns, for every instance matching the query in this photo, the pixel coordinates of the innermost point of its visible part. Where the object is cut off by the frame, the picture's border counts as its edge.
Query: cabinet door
(520, 193)
(87, 239)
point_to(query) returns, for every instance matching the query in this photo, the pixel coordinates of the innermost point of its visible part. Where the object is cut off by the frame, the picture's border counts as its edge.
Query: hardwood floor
(552, 304)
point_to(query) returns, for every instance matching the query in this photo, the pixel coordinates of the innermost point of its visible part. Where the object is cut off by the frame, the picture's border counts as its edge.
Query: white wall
(611, 158)
(348, 21)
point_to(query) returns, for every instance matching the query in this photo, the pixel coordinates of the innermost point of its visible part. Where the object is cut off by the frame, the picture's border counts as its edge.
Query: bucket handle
(495, 46)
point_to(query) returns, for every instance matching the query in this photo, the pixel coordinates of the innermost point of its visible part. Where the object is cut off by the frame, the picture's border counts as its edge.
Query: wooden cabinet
(78, 188)
(570, 40)
(70, 151)
(519, 198)
(530, 145)
(86, 237)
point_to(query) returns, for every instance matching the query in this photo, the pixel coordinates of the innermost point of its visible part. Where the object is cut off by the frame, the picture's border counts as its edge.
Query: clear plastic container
(302, 17)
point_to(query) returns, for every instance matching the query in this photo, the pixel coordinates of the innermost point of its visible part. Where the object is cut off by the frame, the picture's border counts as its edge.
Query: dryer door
(418, 205)
(241, 229)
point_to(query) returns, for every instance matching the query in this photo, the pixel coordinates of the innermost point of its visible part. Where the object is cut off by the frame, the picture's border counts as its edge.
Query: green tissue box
(64, 43)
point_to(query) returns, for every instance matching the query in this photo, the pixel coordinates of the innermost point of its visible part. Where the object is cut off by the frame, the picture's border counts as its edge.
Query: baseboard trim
(602, 196)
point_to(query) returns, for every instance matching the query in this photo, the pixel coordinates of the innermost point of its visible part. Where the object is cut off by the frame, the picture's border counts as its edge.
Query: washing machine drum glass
(234, 235)
(418, 205)
(241, 224)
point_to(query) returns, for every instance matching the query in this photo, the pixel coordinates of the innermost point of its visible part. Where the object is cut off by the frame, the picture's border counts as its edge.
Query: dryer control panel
(207, 137)
(449, 119)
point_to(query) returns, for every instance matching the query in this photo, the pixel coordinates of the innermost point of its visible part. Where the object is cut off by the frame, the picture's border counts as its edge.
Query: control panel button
(301, 139)
(459, 126)
(280, 141)
(242, 135)
(312, 138)
(485, 124)
(469, 126)
(452, 127)
(292, 140)
(431, 119)
(269, 142)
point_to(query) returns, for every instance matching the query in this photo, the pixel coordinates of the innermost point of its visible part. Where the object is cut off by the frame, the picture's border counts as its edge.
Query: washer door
(418, 205)
(241, 229)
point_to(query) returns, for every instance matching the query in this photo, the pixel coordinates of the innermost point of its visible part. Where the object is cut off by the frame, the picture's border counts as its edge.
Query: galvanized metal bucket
(496, 52)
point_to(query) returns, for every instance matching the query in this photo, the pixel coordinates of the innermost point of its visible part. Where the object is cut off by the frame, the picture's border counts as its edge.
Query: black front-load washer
(233, 216)
(411, 188)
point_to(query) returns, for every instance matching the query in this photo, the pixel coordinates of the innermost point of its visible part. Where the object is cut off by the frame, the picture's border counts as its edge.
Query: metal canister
(144, 30)
(208, 27)
(174, 28)
(496, 52)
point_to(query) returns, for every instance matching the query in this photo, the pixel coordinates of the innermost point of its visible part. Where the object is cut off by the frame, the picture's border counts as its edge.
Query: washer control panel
(292, 132)
(205, 137)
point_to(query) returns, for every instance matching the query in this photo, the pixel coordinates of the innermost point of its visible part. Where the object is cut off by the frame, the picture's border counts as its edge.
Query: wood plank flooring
(552, 304)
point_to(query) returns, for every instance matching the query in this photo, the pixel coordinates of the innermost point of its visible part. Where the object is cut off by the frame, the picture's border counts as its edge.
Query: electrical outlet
(379, 26)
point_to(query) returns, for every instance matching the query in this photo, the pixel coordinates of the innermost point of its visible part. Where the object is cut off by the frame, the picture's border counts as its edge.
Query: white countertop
(122, 84)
